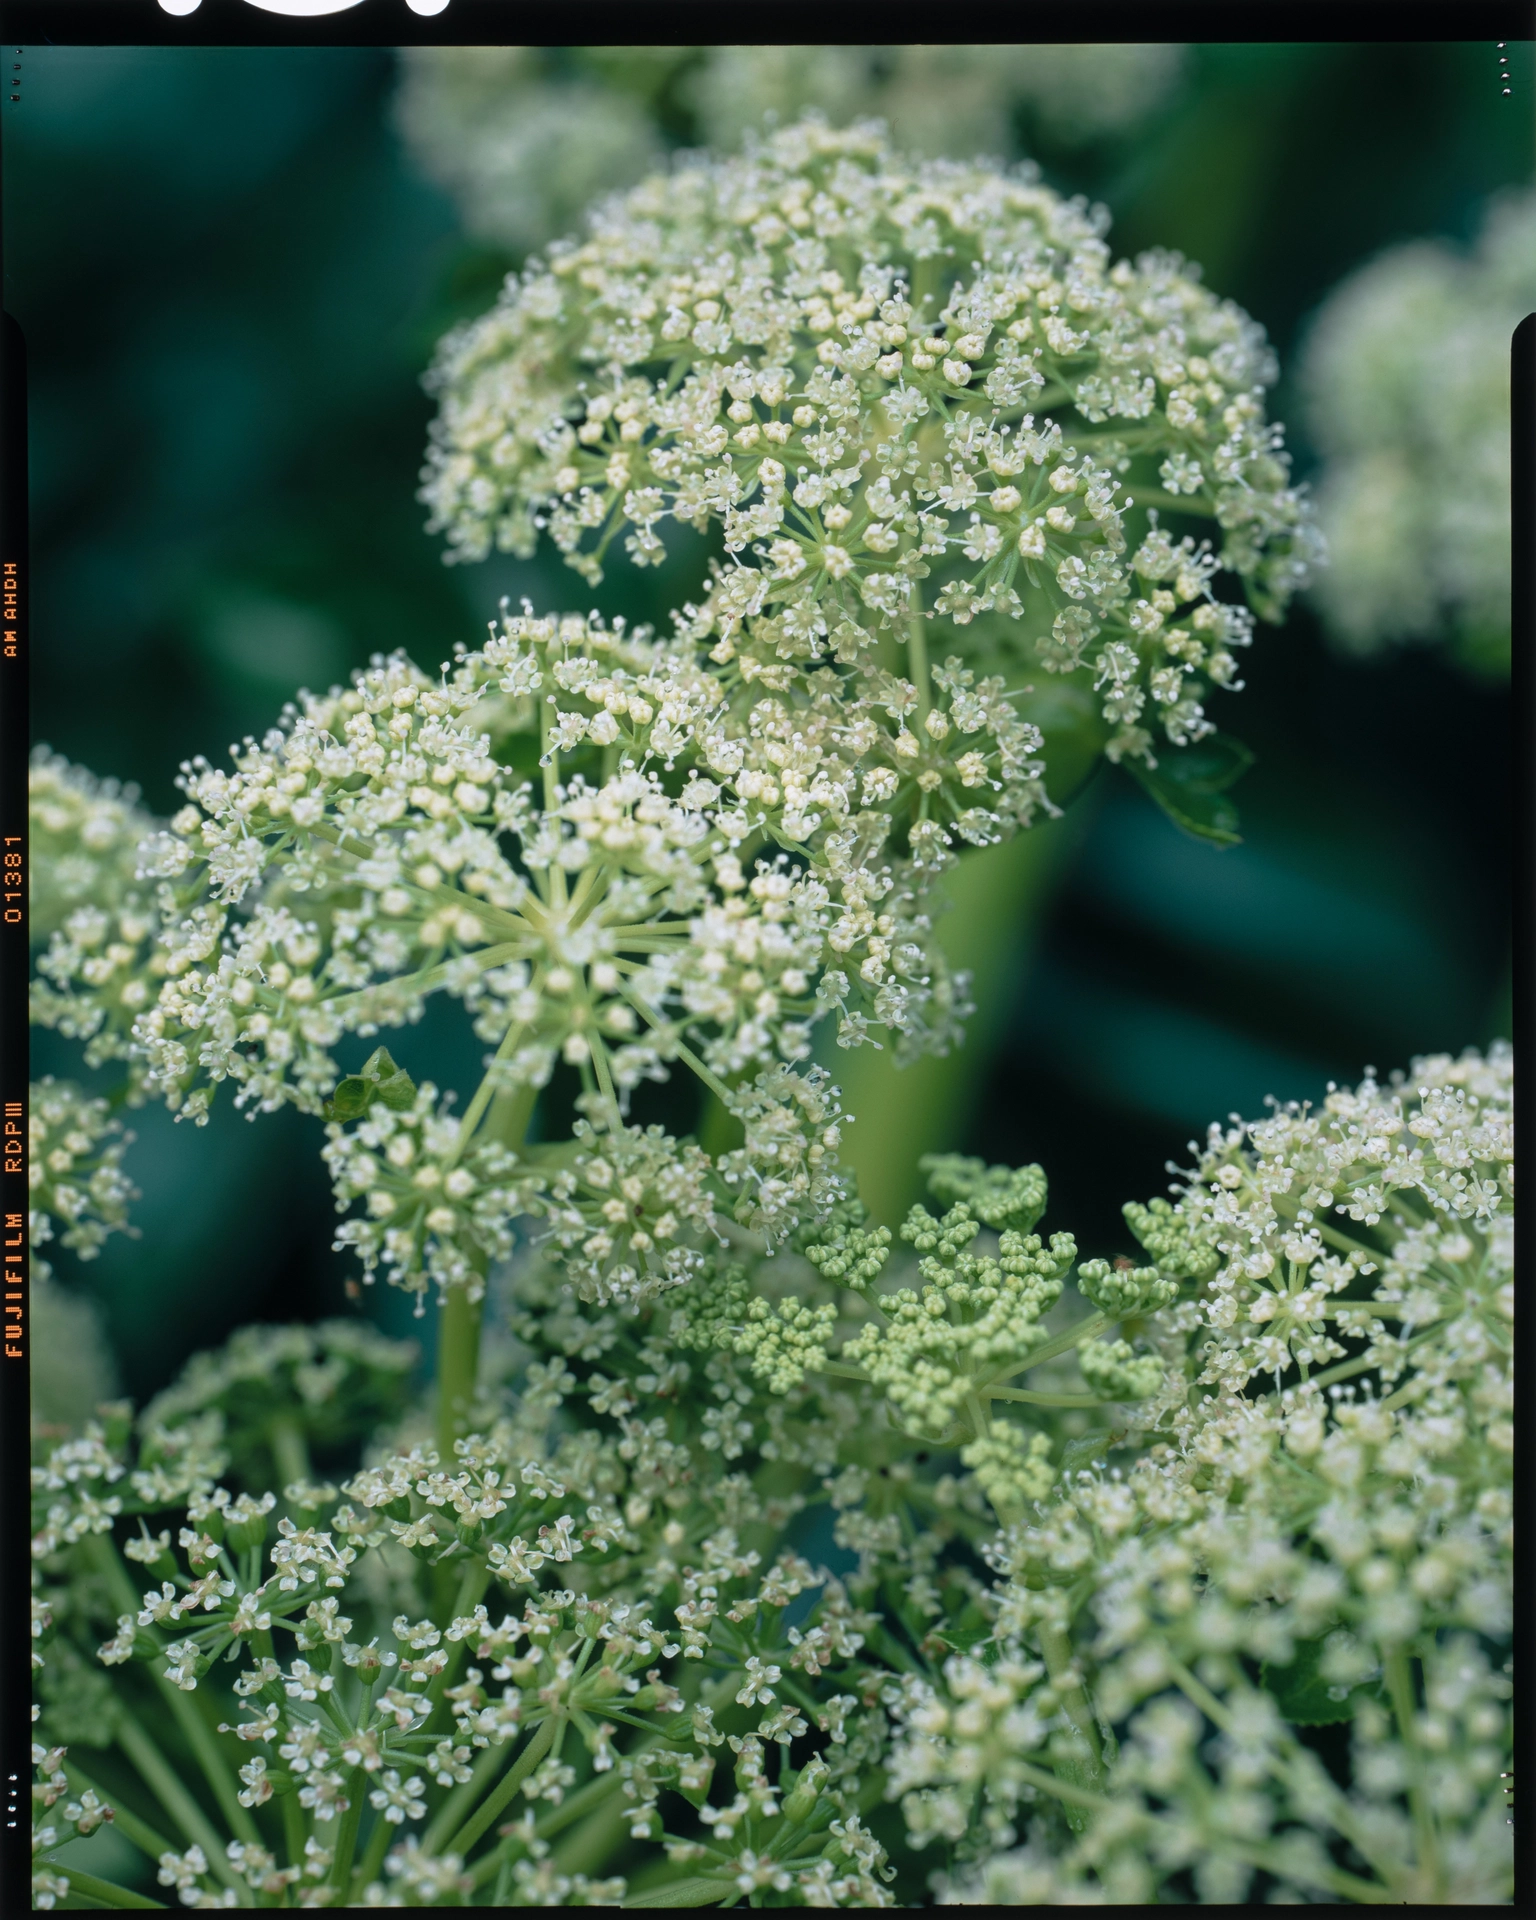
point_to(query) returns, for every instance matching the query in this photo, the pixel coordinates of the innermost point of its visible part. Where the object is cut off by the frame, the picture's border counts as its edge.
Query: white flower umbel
(900, 389)
(1304, 1519)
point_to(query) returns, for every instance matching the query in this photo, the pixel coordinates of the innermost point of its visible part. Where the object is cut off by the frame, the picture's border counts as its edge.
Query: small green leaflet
(381, 1083)
(1308, 1700)
(979, 1642)
(1091, 1447)
(1189, 784)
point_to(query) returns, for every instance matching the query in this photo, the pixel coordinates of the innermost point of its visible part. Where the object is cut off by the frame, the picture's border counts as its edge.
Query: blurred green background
(230, 274)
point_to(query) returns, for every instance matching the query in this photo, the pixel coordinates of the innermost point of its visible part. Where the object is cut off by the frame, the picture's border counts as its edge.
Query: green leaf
(381, 1082)
(1092, 1447)
(1307, 1698)
(962, 1639)
(1189, 784)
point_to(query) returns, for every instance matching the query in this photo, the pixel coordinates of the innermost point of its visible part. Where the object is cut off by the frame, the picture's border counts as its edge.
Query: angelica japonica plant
(1176, 1573)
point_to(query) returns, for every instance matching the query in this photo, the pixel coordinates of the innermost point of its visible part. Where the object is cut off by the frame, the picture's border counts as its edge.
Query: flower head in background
(1406, 375)
(955, 100)
(524, 139)
(84, 836)
(522, 155)
(78, 1192)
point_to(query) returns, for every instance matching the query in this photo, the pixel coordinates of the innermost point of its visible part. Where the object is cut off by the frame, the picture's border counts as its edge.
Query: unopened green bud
(806, 1789)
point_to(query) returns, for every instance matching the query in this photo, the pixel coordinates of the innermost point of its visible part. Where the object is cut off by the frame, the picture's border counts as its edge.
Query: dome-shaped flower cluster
(1385, 1212)
(897, 392)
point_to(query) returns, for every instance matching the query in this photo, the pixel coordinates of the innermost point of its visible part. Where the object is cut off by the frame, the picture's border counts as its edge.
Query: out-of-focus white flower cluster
(1406, 376)
(525, 140)
(83, 834)
(77, 1190)
(958, 101)
(71, 1369)
(88, 904)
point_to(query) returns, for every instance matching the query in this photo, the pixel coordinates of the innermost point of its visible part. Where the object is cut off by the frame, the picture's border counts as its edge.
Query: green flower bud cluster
(714, 1307)
(1115, 1372)
(785, 1343)
(999, 1197)
(1178, 1244)
(851, 1253)
(781, 1341)
(1012, 1468)
(977, 1318)
(1121, 1290)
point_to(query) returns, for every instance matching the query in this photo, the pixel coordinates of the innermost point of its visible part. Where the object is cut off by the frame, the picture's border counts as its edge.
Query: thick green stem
(1064, 1342)
(372, 1860)
(294, 1835)
(1045, 1399)
(106, 1891)
(917, 656)
(458, 1363)
(288, 1449)
(346, 1836)
(597, 1838)
(686, 1893)
(506, 1118)
(1399, 1678)
(163, 1781)
(995, 897)
(1086, 1770)
(525, 1763)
